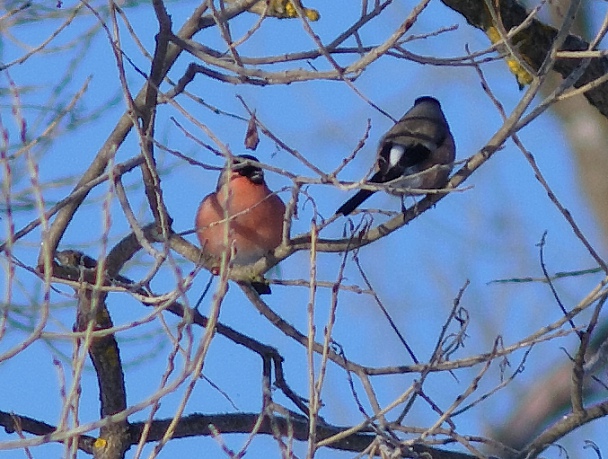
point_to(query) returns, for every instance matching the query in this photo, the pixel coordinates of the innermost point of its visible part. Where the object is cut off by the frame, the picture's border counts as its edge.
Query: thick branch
(534, 42)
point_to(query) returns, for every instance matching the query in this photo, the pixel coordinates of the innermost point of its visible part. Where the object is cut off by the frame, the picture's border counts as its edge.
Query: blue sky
(483, 233)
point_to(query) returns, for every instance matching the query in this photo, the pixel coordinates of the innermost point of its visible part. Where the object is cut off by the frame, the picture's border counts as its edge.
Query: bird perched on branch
(242, 216)
(417, 152)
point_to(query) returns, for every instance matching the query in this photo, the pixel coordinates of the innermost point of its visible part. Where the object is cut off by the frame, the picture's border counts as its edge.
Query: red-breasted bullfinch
(253, 213)
(420, 140)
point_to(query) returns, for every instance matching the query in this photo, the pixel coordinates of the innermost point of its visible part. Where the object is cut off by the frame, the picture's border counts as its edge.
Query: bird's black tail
(354, 202)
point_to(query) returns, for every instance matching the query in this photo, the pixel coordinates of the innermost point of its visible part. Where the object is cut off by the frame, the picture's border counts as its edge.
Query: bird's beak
(257, 177)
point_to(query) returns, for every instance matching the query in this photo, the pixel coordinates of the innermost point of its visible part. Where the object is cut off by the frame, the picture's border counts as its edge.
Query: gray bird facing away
(420, 140)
